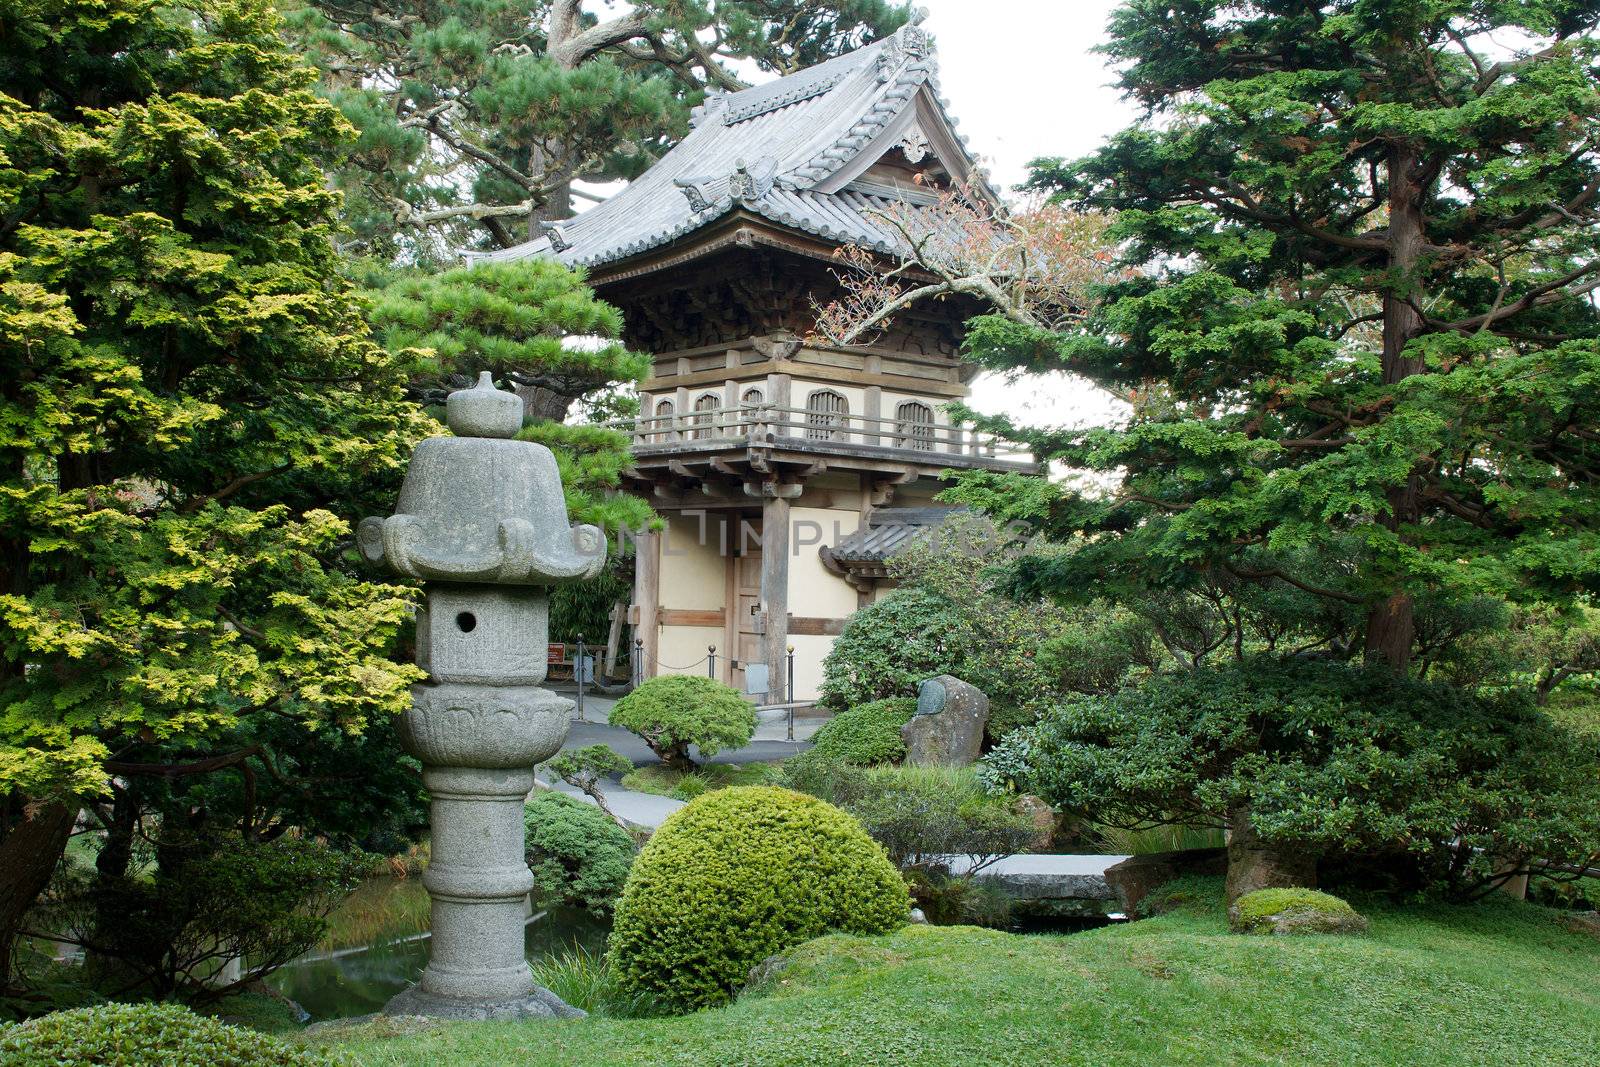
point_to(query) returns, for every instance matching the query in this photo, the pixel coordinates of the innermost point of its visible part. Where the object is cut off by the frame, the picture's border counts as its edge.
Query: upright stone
(482, 520)
(948, 726)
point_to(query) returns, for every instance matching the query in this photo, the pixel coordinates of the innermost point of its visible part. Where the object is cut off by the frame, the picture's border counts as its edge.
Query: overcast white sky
(1023, 81)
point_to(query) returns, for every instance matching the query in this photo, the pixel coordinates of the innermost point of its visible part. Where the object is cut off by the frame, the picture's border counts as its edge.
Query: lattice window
(705, 407)
(752, 396)
(827, 414)
(913, 421)
(663, 421)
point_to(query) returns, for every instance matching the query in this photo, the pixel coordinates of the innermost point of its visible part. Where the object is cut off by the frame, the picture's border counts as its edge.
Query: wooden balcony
(756, 450)
(769, 426)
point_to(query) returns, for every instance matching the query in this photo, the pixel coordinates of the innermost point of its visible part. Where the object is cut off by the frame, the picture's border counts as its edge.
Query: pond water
(378, 944)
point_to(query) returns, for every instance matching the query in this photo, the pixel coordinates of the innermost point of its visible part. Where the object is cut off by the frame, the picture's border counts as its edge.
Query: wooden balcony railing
(768, 423)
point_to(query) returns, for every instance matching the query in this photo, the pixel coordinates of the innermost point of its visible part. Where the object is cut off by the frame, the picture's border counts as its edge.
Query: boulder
(1254, 864)
(948, 727)
(1136, 877)
(1293, 911)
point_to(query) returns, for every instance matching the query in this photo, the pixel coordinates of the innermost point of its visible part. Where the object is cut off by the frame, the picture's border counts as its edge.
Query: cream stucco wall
(814, 591)
(693, 573)
(693, 578)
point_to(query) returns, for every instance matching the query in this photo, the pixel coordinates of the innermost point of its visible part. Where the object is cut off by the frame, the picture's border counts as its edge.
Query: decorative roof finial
(559, 242)
(741, 186)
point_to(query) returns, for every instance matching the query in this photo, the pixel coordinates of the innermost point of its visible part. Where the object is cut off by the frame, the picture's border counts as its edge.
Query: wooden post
(647, 599)
(775, 586)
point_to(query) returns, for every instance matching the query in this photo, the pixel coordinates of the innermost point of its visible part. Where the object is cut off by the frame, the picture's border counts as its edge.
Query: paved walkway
(1041, 877)
(648, 809)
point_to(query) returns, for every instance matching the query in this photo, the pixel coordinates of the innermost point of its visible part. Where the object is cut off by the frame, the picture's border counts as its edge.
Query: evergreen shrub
(137, 1034)
(868, 734)
(578, 856)
(675, 711)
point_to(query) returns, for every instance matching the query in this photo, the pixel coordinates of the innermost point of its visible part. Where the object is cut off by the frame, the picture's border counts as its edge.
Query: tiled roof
(889, 531)
(775, 150)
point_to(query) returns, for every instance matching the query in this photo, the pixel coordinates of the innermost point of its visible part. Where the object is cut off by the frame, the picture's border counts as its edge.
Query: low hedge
(135, 1035)
(578, 856)
(737, 876)
(868, 734)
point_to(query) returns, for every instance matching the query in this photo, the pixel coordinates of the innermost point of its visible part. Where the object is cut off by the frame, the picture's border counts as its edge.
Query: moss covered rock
(1293, 911)
(868, 734)
(133, 1034)
(740, 875)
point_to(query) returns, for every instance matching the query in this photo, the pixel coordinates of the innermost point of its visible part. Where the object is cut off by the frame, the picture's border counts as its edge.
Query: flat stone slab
(540, 1004)
(1051, 883)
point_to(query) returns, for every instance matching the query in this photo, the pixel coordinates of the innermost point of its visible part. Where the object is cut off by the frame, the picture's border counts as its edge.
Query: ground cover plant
(666, 781)
(138, 1034)
(1430, 986)
(867, 734)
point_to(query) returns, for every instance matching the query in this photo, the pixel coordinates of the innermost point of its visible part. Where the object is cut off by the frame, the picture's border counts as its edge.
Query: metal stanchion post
(711, 662)
(638, 661)
(578, 672)
(788, 671)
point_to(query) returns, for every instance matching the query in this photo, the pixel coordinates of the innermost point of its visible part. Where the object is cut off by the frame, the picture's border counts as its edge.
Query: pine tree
(475, 118)
(1360, 331)
(190, 416)
(538, 329)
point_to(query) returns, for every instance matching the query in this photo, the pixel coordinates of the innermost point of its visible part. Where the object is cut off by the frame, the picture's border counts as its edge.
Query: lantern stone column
(482, 519)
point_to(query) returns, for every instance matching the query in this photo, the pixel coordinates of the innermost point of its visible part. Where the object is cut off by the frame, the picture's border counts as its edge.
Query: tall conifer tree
(1361, 328)
(475, 118)
(190, 416)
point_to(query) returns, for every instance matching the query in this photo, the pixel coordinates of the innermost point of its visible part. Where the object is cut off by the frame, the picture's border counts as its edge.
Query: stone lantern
(482, 521)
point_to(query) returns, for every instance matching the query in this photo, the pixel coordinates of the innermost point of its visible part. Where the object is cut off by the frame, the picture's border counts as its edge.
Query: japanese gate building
(787, 471)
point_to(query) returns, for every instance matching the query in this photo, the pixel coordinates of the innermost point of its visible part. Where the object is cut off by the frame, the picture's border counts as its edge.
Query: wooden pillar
(775, 590)
(647, 597)
(873, 412)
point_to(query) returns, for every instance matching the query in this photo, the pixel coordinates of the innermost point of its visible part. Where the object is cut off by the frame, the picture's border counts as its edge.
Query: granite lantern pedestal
(482, 519)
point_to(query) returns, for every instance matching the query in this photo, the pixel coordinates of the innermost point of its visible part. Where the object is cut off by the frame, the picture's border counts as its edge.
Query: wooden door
(747, 613)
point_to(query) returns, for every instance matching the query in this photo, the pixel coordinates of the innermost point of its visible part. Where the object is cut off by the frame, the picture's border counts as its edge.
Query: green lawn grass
(1496, 983)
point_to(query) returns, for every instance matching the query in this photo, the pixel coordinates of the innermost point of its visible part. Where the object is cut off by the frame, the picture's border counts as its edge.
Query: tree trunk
(1253, 864)
(1391, 627)
(29, 852)
(540, 404)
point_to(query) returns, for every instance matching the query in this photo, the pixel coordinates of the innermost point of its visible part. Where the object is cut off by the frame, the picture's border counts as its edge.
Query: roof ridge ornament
(909, 44)
(697, 191)
(752, 183)
(712, 111)
(914, 145)
(557, 235)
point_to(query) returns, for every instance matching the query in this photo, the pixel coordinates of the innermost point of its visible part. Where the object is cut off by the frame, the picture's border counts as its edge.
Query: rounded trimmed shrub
(866, 735)
(737, 876)
(135, 1034)
(578, 856)
(1293, 911)
(675, 711)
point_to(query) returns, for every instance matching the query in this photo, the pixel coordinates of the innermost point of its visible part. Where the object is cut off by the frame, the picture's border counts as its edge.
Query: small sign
(557, 652)
(755, 678)
(584, 670)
